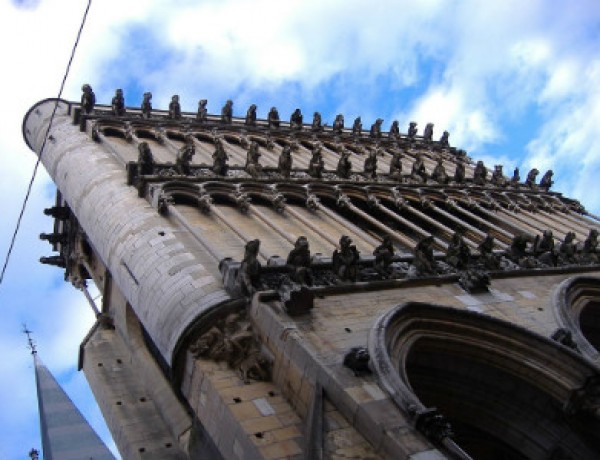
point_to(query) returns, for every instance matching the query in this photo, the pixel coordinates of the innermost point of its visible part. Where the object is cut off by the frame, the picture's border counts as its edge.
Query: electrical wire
(39, 159)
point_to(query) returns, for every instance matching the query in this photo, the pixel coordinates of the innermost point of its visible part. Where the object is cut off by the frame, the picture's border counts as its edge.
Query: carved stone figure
(384, 256)
(296, 120)
(480, 173)
(233, 341)
(184, 156)
(175, 108)
(338, 124)
(428, 133)
(251, 116)
(147, 106)
(227, 112)
(439, 172)
(498, 178)
(474, 280)
(375, 132)
(316, 123)
(370, 167)
(248, 279)
(54, 238)
(544, 244)
(547, 181)
(88, 99)
(412, 130)
(220, 158)
(531, 176)
(316, 164)
(394, 130)
(589, 251)
(145, 160)
(357, 127)
(418, 172)
(567, 251)
(564, 337)
(345, 261)
(253, 166)
(518, 252)
(458, 253)
(255, 366)
(460, 171)
(396, 165)
(516, 178)
(344, 166)
(273, 118)
(118, 103)
(424, 260)
(444, 139)
(202, 111)
(285, 161)
(358, 359)
(299, 262)
(487, 258)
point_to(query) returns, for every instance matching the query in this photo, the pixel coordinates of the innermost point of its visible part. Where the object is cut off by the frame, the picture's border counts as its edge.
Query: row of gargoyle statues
(88, 102)
(524, 252)
(316, 166)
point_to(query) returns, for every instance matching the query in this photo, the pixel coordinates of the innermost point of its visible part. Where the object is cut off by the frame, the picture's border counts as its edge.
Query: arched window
(506, 392)
(577, 310)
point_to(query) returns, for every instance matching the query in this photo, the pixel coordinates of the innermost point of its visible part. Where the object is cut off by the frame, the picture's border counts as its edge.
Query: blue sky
(514, 82)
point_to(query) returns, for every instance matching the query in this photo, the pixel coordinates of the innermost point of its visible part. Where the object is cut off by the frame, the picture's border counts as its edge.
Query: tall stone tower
(275, 289)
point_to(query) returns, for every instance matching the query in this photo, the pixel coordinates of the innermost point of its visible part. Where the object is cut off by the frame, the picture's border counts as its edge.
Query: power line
(39, 159)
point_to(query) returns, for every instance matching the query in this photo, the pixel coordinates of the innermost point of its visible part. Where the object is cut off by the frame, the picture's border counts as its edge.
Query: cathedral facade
(293, 289)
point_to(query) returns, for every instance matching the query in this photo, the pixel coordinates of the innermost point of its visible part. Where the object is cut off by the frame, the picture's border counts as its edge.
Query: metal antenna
(31, 343)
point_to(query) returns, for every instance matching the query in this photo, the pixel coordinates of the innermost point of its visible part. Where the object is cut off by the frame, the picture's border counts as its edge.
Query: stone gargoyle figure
(498, 178)
(316, 164)
(175, 108)
(370, 166)
(344, 166)
(253, 166)
(516, 178)
(546, 181)
(88, 99)
(316, 123)
(251, 116)
(375, 132)
(412, 129)
(184, 156)
(338, 124)
(480, 174)
(296, 120)
(227, 112)
(298, 261)
(202, 111)
(460, 171)
(439, 172)
(145, 159)
(487, 258)
(147, 105)
(248, 278)
(118, 103)
(458, 253)
(345, 260)
(357, 127)
(394, 130)
(428, 133)
(418, 172)
(285, 161)
(220, 158)
(424, 260)
(531, 176)
(444, 139)
(396, 165)
(273, 118)
(384, 257)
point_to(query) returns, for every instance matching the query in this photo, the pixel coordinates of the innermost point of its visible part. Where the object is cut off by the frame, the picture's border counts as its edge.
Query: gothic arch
(507, 392)
(577, 309)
